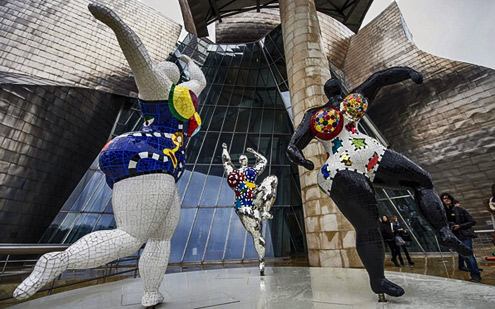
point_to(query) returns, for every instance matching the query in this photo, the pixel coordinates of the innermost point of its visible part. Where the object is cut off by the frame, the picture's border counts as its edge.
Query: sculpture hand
(416, 77)
(250, 150)
(185, 58)
(297, 157)
(102, 13)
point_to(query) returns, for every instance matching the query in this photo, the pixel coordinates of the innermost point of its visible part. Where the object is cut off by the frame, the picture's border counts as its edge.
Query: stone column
(330, 237)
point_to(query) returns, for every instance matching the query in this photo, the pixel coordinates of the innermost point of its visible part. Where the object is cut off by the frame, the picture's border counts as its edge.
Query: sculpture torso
(242, 181)
(160, 146)
(347, 148)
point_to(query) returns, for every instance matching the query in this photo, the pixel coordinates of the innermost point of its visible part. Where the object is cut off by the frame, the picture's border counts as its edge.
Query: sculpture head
(243, 160)
(354, 106)
(169, 69)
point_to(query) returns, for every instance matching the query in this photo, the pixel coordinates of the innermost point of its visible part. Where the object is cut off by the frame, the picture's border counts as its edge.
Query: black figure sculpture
(356, 162)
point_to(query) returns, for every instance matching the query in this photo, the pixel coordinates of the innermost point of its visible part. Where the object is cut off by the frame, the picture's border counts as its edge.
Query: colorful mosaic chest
(243, 184)
(160, 146)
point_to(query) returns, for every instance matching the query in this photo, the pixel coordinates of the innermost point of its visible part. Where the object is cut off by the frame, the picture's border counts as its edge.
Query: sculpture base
(281, 287)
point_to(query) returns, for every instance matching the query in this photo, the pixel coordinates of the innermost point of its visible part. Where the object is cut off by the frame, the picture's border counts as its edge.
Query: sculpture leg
(92, 250)
(266, 195)
(355, 197)
(140, 206)
(154, 260)
(397, 171)
(254, 227)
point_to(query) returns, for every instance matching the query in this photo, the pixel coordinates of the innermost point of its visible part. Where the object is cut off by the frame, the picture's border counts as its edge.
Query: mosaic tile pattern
(145, 199)
(348, 174)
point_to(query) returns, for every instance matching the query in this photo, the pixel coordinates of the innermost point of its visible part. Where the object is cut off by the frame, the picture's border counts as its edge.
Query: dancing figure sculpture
(142, 167)
(356, 162)
(252, 204)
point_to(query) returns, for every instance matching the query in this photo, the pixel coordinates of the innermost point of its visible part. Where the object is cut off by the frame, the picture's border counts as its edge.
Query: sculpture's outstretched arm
(390, 76)
(300, 139)
(227, 162)
(261, 161)
(197, 80)
(134, 50)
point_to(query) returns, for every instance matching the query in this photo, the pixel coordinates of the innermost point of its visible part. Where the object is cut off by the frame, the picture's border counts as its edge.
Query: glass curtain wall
(241, 106)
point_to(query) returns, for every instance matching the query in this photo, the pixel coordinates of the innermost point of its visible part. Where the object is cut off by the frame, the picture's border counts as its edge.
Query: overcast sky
(455, 29)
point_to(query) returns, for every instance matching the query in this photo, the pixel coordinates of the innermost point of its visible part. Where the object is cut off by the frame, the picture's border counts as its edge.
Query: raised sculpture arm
(227, 162)
(261, 161)
(152, 79)
(390, 76)
(197, 80)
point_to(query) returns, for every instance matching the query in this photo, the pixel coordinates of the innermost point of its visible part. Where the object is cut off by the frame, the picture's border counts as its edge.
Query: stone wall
(446, 125)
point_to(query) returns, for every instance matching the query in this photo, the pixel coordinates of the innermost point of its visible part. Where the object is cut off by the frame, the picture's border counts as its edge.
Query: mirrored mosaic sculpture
(356, 162)
(252, 203)
(142, 167)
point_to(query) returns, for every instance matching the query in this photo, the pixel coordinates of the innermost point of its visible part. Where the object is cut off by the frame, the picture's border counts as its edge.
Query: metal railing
(18, 260)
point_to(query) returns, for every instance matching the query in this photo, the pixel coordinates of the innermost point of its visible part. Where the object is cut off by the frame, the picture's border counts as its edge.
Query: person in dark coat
(461, 222)
(399, 231)
(387, 230)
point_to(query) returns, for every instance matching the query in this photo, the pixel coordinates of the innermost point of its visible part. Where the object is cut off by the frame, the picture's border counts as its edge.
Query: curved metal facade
(63, 79)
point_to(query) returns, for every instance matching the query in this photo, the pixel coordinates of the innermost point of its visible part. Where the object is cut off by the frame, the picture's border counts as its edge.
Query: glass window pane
(181, 234)
(58, 236)
(205, 115)
(230, 119)
(265, 146)
(199, 235)
(53, 228)
(184, 180)
(208, 147)
(279, 148)
(100, 199)
(281, 122)
(106, 222)
(237, 147)
(88, 177)
(267, 124)
(213, 183)
(87, 192)
(193, 147)
(243, 120)
(195, 187)
(82, 227)
(224, 98)
(217, 119)
(217, 155)
(231, 76)
(255, 122)
(235, 241)
(218, 234)
(109, 208)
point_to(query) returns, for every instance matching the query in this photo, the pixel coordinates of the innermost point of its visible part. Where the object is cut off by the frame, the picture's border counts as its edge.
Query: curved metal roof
(198, 14)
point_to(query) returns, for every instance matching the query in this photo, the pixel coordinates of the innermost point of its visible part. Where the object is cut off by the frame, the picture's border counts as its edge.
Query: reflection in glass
(197, 240)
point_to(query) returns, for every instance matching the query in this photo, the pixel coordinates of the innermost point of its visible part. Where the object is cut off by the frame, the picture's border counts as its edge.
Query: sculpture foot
(447, 238)
(262, 268)
(48, 267)
(384, 286)
(151, 299)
